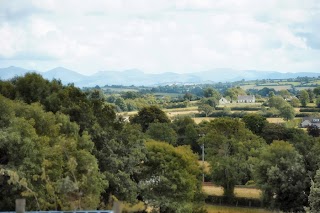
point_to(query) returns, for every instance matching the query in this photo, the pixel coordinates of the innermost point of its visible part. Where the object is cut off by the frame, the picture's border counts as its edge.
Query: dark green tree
(171, 179)
(313, 130)
(229, 145)
(162, 132)
(148, 115)
(32, 88)
(211, 93)
(255, 122)
(187, 134)
(7, 89)
(281, 174)
(314, 197)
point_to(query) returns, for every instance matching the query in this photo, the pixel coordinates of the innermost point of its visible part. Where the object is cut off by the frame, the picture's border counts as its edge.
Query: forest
(66, 148)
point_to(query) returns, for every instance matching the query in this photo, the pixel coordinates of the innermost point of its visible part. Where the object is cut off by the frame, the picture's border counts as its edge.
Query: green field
(275, 87)
(171, 95)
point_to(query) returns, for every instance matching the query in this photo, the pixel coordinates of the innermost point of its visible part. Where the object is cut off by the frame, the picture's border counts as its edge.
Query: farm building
(246, 99)
(310, 121)
(223, 101)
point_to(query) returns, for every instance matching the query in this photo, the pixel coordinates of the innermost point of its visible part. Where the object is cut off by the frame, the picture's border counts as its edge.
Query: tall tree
(171, 178)
(287, 112)
(304, 98)
(281, 174)
(255, 122)
(229, 145)
(187, 134)
(32, 88)
(162, 132)
(148, 115)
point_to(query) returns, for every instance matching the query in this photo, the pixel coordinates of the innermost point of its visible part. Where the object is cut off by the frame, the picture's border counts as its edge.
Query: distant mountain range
(139, 78)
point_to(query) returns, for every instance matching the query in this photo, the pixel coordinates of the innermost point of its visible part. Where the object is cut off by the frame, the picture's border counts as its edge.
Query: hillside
(140, 78)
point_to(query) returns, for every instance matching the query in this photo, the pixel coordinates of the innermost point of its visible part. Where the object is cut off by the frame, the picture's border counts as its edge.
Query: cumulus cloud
(159, 36)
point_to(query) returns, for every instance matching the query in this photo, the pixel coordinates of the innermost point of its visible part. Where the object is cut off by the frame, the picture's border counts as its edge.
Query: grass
(275, 87)
(198, 120)
(229, 209)
(193, 108)
(239, 191)
(171, 95)
(275, 120)
(133, 208)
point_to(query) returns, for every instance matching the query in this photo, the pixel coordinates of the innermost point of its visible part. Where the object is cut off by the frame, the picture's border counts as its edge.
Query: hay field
(275, 120)
(238, 191)
(229, 209)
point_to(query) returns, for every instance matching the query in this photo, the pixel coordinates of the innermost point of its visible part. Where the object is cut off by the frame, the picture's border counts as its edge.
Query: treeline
(64, 149)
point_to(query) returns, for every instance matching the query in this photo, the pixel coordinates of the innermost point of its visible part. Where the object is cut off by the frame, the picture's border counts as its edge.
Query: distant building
(223, 101)
(246, 99)
(310, 121)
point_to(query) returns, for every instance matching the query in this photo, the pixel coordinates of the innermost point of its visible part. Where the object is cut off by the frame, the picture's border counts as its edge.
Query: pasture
(229, 209)
(275, 87)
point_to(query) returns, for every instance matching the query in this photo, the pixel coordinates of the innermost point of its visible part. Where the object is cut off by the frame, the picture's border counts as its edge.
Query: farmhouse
(310, 121)
(223, 101)
(246, 99)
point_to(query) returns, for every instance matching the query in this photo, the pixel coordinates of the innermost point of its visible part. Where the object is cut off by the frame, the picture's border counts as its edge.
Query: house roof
(311, 119)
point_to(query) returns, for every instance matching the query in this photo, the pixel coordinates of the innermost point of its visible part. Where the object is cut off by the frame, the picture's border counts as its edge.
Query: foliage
(255, 122)
(148, 115)
(187, 134)
(314, 197)
(281, 174)
(229, 145)
(206, 109)
(313, 130)
(295, 102)
(276, 102)
(171, 179)
(234, 92)
(162, 132)
(210, 92)
(287, 112)
(51, 163)
(304, 98)
(120, 158)
(32, 88)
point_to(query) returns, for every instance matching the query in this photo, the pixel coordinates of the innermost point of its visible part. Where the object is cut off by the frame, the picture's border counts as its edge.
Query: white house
(246, 99)
(310, 121)
(223, 101)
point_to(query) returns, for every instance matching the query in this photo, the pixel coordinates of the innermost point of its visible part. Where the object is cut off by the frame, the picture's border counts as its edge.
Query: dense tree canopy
(281, 174)
(44, 159)
(314, 197)
(148, 115)
(171, 178)
(229, 145)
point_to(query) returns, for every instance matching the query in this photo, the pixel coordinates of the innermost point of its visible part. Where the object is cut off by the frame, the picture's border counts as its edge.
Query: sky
(158, 36)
